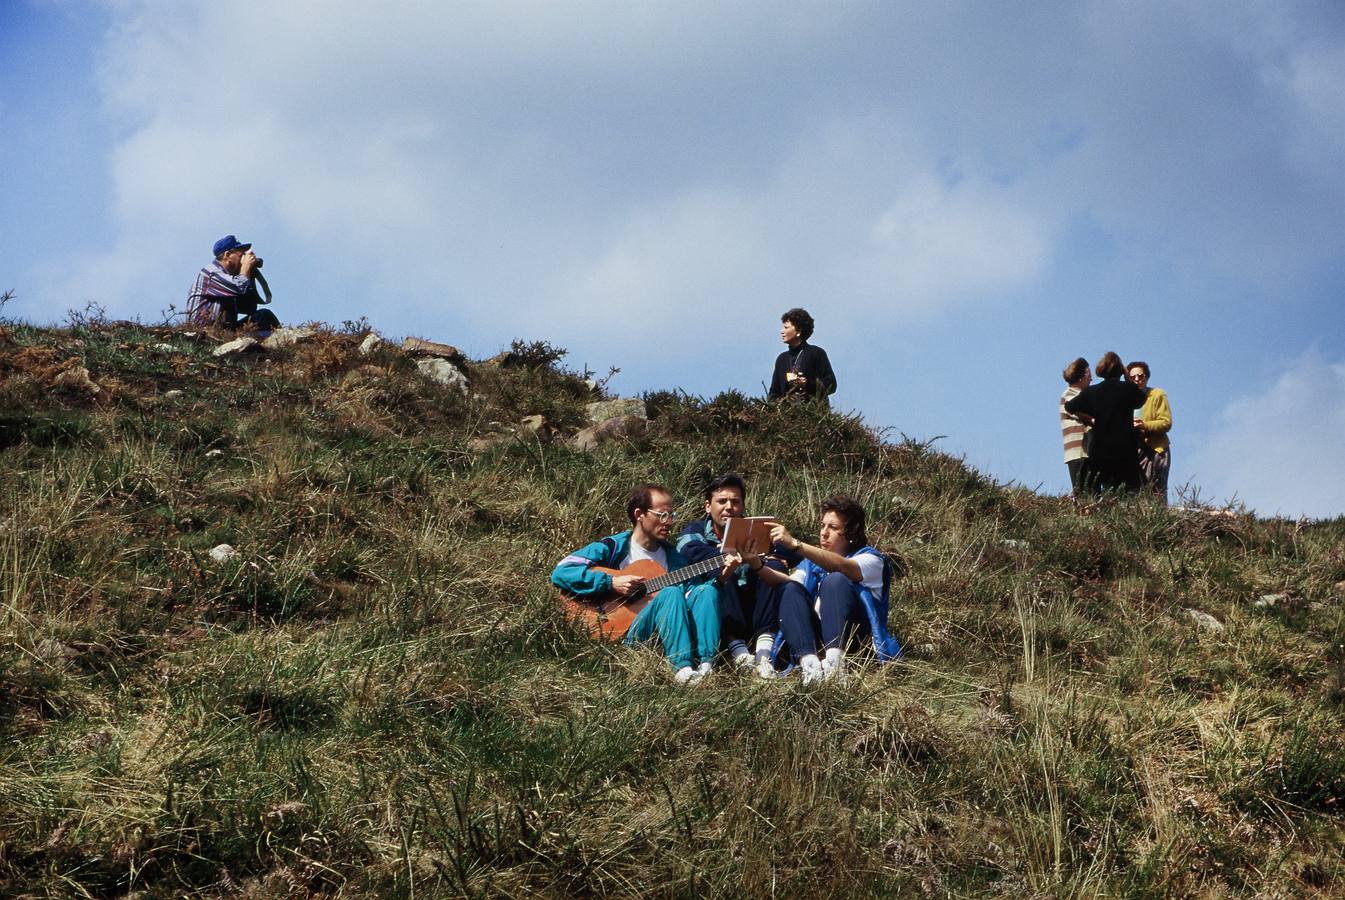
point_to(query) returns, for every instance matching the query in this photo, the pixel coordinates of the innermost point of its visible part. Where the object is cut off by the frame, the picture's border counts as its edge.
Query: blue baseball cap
(229, 242)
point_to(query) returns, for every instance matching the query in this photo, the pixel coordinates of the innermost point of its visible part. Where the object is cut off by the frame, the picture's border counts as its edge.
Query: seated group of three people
(817, 601)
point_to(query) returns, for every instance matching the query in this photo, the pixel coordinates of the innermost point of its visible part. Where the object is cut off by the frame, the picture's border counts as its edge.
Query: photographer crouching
(225, 290)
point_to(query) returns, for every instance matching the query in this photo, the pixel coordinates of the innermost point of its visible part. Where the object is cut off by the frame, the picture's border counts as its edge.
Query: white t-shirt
(658, 555)
(870, 572)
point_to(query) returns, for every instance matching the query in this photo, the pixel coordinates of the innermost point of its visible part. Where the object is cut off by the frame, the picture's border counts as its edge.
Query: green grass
(378, 696)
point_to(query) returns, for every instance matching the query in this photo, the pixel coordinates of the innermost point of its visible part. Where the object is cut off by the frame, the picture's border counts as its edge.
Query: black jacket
(810, 362)
(1112, 403)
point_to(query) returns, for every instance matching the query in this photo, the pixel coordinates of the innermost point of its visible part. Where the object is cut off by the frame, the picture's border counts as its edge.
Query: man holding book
(749, 609)
(684, 617)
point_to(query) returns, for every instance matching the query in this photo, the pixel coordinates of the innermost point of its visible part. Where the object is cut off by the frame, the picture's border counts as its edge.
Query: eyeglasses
(663, 515)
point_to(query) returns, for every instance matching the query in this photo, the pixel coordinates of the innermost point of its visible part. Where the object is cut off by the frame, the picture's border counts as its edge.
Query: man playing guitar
(613, 578)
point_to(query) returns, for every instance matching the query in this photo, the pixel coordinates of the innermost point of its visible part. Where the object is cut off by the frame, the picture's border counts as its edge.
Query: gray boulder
(613, 429)
(444, 372)
(603, 410)
(288, 337)
(422, 347)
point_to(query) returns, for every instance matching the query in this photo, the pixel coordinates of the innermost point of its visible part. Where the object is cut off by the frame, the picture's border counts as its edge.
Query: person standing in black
(1113, 456)
(803, 371)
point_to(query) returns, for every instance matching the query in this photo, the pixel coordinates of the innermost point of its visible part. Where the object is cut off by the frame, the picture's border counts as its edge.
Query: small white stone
(286, 337)
(222, 553)
(172, 395)
(370, 343)
(77, 379)
(233, 348)
(1206, 621)
(214, 454)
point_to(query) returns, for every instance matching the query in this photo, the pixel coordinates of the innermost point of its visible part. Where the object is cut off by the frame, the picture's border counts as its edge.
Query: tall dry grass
(377, 696)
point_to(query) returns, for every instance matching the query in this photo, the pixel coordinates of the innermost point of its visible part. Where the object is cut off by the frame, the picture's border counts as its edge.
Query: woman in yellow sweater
(1153, 424)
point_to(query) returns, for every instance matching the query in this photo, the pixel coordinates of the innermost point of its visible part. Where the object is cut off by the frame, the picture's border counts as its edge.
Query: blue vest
(885, 646)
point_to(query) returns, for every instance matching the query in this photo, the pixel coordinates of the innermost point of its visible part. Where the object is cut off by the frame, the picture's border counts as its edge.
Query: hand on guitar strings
(622, 585)
(732, 561)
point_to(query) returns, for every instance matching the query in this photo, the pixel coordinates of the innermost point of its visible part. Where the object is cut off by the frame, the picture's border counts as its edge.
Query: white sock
(765, 643)
(737, 649)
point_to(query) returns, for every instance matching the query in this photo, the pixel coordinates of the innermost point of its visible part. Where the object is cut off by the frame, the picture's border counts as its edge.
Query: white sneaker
(685, 675)
(766, 669)
(812, 669)
(703, 669)
(744, 662)
(834, 670)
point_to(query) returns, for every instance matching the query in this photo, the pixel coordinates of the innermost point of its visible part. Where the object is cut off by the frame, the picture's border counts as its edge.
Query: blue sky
(965, 195)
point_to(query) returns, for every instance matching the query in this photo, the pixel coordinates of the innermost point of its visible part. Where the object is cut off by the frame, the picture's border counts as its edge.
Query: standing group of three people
(797, 602)
(1108, 446)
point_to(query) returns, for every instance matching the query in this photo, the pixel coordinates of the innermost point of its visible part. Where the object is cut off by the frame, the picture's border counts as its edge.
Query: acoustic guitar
(609, 617)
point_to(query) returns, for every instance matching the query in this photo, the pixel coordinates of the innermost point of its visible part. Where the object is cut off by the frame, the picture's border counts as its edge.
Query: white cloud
(1281, 448)
(850, 223)
(937, 242)
(870, 157)
(1317, 82)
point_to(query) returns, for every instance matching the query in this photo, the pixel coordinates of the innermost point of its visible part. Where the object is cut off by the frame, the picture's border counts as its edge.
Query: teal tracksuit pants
(687, 625)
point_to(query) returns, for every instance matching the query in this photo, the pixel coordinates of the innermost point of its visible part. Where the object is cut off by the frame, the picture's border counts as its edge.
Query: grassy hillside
(377, 696)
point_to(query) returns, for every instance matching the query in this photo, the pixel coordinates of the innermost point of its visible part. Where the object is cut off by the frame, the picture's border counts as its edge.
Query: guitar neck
(677, 576)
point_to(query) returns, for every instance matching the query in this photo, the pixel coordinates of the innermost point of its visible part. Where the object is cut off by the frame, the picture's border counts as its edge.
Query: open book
(748, 534)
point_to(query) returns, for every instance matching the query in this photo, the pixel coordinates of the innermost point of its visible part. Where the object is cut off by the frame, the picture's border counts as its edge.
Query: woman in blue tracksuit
(836, 596)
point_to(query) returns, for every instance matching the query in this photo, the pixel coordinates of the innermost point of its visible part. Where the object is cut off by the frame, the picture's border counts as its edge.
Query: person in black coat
(1113, 455)
(803, 371)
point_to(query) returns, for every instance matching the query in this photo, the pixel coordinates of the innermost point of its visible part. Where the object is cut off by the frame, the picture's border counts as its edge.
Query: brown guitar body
(607, 616)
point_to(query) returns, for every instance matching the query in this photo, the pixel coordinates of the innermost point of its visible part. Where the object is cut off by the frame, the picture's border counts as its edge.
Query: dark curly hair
(852, 515)
(799, 318)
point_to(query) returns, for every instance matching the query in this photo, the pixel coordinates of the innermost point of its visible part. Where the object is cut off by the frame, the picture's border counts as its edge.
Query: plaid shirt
(212, 292)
